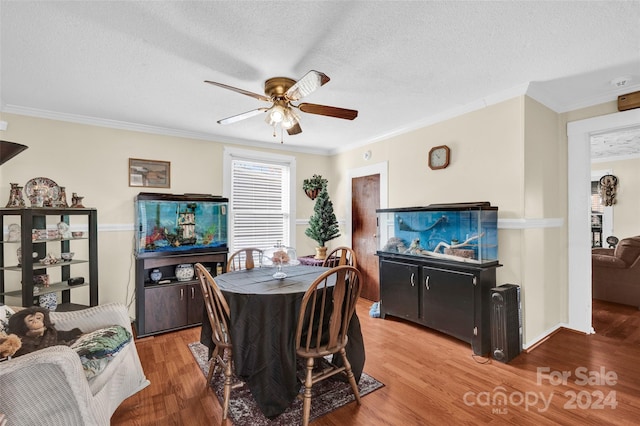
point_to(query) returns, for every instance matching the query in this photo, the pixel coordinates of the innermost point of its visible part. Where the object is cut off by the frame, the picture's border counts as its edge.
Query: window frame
(230, 154)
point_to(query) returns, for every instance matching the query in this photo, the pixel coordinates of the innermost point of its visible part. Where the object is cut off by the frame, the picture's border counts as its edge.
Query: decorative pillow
(105, 342)
(5, 314)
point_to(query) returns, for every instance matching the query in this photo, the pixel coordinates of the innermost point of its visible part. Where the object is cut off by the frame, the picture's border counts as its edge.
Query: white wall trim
(579, 215)
(544, 335)
(502, 223)
(374, 169)
(530, 223)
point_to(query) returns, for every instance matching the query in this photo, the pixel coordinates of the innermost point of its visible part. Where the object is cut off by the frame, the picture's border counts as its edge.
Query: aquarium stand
(450, 297)
(170, 304)
(173, 233)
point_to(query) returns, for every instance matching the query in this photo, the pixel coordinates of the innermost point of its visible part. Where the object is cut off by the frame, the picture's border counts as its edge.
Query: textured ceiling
(403, 65)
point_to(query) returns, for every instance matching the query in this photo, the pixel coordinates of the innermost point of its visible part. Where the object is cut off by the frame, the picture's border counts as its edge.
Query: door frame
(374, 169)
(579, 217)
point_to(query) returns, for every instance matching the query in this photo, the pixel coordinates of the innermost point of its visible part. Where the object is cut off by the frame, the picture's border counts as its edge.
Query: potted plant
(313, 186)
(323, 225)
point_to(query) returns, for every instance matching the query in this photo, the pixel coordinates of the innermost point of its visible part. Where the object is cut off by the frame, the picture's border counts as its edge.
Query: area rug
(328, 395)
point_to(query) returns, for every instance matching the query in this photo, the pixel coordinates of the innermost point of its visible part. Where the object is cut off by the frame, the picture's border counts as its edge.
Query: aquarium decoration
(463, 232)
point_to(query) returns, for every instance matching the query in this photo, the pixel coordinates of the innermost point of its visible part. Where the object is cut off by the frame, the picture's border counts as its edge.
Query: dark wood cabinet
(401, 290)
(171, 304)
(17, 280)
(450, 297)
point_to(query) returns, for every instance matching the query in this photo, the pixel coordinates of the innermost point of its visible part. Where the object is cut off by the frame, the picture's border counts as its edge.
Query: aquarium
(462, 232)
(173, 223)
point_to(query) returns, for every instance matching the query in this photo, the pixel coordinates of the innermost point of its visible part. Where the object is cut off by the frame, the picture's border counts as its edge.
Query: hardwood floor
(431, 378)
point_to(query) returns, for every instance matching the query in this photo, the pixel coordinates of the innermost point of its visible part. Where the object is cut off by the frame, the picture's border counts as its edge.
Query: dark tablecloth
(264, 312)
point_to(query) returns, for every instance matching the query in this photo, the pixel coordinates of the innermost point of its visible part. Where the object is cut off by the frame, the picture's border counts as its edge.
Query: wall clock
(439, 157)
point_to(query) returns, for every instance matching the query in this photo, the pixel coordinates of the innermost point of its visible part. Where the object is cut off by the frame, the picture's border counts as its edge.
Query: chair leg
(308, 383)
(350, 376)
(213, 363)
(227, 388)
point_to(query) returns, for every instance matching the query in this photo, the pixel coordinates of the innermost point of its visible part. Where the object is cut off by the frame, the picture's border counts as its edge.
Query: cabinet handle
(426, 283)
(193, 293)
(412, 282)
(182, 294)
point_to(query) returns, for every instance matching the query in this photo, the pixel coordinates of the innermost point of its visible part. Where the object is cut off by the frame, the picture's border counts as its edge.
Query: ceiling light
(290, 119)
(276, 114)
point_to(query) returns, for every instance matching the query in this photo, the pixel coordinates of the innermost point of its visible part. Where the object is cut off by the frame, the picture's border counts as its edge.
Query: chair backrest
(326, 310)
(341, 256)
(246, 258)
(216, 306)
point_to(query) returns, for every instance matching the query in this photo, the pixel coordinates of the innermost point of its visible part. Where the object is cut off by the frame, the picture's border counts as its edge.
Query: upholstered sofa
(50, 386)
(616, 272)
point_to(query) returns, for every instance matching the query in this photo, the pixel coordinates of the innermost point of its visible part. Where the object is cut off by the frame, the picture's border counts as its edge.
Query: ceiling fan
(281, 91)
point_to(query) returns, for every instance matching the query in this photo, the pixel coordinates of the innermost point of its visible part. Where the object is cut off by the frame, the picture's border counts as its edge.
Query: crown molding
(143, 128)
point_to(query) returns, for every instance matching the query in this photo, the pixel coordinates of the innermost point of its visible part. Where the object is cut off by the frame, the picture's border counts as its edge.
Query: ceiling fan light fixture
(277, 113)
(290, 119)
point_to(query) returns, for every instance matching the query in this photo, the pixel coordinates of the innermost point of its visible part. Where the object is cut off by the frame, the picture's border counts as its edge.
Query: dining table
(263, 314)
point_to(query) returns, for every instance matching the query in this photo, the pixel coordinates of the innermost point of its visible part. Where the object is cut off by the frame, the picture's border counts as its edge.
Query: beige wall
(499, 154)
(625, 212)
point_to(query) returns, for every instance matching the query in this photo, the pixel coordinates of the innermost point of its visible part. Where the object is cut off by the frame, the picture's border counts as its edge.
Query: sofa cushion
(628, 250)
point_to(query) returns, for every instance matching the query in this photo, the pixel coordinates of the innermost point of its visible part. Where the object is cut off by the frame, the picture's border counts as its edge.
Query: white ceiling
(402, 65)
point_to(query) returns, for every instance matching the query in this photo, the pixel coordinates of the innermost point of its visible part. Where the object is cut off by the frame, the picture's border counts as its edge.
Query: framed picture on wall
(149, 173)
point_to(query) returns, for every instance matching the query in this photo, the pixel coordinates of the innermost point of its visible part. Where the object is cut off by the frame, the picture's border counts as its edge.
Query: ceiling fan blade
(347, 114)
(243, 116)
(295, 129)
(244, 92)
(309, 83)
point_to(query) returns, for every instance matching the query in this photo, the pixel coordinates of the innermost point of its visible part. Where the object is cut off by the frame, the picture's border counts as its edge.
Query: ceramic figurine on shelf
(62, 198)
(14, 232)
(76, 201)
(15, 196)
(64, 230)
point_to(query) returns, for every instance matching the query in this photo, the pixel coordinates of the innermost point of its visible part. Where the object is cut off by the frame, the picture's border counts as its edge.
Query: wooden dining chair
(246, 258)
(218, 314)
(341, 256)
(323, 321)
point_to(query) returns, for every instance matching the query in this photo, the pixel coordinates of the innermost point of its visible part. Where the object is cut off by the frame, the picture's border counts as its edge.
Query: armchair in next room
(616, 272)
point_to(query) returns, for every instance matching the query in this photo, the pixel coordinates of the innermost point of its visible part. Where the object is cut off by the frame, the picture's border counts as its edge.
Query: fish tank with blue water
(460, 232)
(179, 223)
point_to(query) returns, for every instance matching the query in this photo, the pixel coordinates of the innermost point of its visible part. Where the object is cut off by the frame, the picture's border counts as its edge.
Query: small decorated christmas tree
(323, 225)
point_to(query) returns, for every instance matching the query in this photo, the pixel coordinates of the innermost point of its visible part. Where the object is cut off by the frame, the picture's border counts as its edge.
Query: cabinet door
(399, 288)
(196, 304)
(447, 302)
(165, 307)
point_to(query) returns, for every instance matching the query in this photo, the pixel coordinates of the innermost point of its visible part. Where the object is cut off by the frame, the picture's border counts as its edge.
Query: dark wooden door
(365, 199)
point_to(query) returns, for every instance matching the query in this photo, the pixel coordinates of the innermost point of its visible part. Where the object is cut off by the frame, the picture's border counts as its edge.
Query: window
(261, 202)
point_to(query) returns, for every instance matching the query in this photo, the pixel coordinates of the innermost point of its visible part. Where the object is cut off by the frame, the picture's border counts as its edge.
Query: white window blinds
(259, 204)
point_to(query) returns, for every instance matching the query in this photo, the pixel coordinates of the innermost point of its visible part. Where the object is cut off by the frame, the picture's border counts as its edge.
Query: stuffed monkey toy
(36, 331)
(9, 344)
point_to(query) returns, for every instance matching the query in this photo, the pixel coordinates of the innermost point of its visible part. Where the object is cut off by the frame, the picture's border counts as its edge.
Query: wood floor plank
(431, 378)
